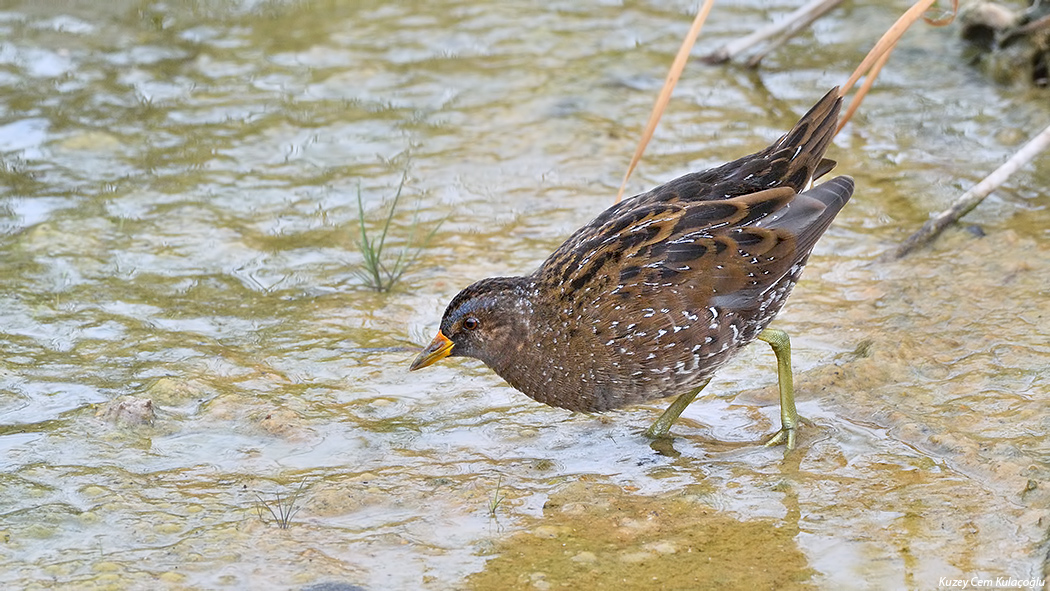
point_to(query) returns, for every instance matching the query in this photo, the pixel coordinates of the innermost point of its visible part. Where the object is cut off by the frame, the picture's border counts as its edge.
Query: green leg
(663, 424)
(781, 345)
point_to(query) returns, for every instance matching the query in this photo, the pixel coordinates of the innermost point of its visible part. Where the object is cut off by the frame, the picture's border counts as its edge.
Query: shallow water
(179, 223)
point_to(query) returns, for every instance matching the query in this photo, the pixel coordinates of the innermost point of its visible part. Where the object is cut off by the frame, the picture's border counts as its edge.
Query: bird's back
(794, 160)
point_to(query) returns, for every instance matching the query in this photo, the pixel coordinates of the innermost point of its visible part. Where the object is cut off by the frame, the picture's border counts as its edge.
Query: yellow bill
(438, 349)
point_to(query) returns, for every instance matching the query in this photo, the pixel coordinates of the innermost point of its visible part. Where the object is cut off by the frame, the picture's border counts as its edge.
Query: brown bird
(659, 291)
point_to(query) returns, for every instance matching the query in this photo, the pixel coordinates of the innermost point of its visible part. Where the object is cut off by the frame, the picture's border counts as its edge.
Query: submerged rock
(1010, 43)
(128, 410)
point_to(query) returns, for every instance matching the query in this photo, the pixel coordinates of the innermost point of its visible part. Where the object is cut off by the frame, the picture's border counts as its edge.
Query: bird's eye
(470, 323)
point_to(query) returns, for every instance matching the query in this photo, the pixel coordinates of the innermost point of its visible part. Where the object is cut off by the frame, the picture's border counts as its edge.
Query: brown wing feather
(794, 160)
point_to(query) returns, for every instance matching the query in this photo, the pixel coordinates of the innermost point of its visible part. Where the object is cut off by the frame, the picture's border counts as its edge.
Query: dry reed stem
(786, 29)
(665, 93)
(854, 104)
(970, 199)
(876, 58)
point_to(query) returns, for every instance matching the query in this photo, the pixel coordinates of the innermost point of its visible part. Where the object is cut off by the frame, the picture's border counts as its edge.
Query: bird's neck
(535, 362)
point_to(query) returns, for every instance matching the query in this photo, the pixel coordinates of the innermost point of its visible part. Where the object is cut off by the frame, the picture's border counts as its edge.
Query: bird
(659, 291)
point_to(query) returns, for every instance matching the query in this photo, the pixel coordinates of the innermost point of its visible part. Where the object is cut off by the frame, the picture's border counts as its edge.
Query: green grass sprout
(381, 270)
(285, 509)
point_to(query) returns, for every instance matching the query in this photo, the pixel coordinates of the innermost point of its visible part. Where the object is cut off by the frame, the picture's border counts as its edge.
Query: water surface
(179, 224)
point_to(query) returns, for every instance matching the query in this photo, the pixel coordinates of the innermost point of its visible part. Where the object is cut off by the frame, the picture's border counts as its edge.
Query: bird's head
(488, 320)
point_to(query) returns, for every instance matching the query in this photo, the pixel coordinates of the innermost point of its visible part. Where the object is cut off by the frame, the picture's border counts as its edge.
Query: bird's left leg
(663, 424)
(789, 420)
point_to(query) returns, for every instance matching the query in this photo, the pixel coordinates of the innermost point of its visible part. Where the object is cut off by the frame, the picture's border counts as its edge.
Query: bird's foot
(658, 430)
(785, 435)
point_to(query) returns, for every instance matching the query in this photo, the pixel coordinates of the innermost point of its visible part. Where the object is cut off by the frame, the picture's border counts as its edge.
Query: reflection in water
(178, 224)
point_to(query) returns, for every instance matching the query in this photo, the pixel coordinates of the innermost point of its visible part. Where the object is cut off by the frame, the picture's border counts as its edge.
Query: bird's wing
(681, 281)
